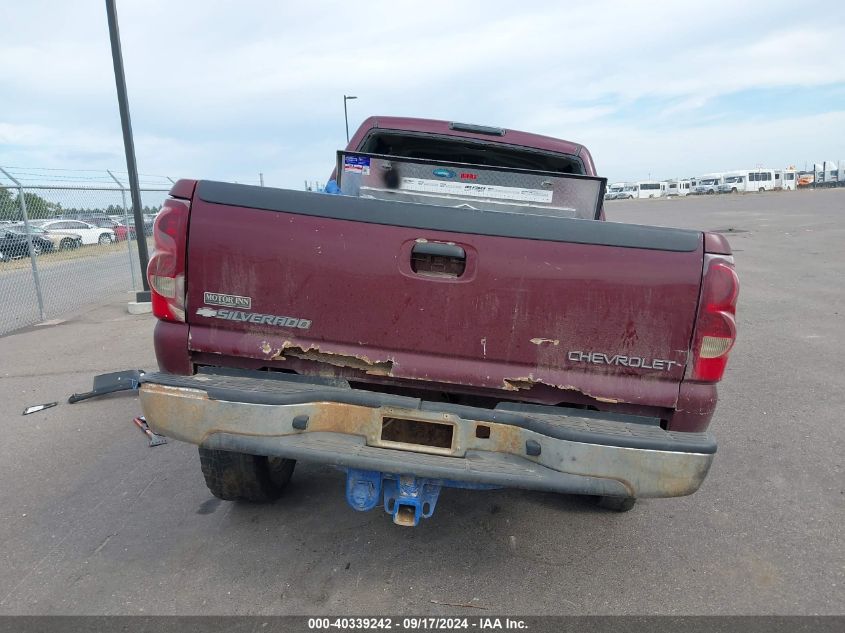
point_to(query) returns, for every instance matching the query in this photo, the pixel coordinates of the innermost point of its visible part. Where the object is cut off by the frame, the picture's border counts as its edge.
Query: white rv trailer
(650, 189)
(707, 184)
(790, 179)
(748, 180)
(678, 187)
(762, 180)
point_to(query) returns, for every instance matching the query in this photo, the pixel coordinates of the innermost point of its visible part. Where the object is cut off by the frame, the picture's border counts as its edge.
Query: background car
(14, 245)
(99, 219)
(148, 224)
(60, 241)
(105, 222)
(89, 233)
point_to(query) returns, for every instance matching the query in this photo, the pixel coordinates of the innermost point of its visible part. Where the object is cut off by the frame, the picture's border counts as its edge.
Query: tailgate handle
(439, 249)
(438, 259)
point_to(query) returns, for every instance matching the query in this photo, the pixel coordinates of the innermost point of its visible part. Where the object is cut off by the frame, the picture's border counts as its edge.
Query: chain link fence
(68, 239)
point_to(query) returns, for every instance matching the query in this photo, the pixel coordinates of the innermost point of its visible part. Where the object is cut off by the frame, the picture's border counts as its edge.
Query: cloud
(226, 90)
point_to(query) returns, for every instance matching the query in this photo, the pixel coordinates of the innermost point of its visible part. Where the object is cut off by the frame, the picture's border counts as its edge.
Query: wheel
(711, 192)
(66, 244)
(243, 477)
(733, 189)
(3, 257)
(617, 504)
(37, 249)
(104, 239)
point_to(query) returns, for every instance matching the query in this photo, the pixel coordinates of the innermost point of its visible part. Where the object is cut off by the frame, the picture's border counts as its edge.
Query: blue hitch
(363, 489)
(410, 498)
(406, 498)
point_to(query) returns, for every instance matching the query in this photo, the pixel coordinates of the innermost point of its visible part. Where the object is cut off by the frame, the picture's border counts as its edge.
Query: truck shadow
(337, 555)
(315, 497)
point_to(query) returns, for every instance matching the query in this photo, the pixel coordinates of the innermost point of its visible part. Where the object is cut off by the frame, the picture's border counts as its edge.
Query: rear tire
(733, 189)
(244, 477)
(760, 190)
(104, 239)
(617, 504)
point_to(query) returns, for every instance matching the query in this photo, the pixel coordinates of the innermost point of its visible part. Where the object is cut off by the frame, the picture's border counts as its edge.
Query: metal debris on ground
(155, 438)
(126, 380)
(39, 407)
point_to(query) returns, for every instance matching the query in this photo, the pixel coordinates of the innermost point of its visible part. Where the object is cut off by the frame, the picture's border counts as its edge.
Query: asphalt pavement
(93, 521)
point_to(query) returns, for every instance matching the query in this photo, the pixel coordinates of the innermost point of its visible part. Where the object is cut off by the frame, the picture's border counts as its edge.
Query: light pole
(128, 145)
(346, 116)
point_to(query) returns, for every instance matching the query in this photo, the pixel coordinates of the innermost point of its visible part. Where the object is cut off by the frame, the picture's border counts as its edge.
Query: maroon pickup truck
(453, 311)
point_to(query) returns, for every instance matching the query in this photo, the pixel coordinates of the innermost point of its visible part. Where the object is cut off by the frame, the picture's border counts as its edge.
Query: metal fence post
(128, 232)
(35, 276)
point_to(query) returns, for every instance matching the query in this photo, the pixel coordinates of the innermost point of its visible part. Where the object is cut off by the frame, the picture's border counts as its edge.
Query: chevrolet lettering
(599, 358)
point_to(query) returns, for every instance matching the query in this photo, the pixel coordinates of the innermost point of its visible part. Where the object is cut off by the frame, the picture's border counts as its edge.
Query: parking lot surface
(93, 521)
(66, 284)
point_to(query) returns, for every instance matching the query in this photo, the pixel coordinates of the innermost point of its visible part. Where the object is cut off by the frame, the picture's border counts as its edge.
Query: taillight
(166, 270)
(715, 329)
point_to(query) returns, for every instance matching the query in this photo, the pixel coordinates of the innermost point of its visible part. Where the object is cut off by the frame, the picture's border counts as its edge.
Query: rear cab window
(465, 172)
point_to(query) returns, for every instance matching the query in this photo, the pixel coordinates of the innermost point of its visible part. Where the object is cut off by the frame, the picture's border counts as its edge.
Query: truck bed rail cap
(450, 219)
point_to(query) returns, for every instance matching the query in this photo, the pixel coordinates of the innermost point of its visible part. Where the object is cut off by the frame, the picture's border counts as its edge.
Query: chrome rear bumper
(543, 448)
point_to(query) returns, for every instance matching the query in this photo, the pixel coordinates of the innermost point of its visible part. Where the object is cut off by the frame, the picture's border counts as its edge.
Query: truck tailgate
(599, 308)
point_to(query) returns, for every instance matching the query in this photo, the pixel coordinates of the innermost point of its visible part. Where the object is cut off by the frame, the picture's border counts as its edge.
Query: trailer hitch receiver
(410, 498)
(406, 498)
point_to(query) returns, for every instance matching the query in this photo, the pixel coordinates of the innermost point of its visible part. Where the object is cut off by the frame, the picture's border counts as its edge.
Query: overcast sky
(229, 89)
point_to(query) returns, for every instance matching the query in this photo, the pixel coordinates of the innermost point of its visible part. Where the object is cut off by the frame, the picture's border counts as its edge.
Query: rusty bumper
(522, 447)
